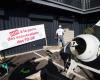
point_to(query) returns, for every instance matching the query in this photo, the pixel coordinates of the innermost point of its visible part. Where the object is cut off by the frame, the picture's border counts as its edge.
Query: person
(59, 34)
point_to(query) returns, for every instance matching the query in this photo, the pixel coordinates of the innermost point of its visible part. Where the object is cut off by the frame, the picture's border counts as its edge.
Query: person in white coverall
(60, 34)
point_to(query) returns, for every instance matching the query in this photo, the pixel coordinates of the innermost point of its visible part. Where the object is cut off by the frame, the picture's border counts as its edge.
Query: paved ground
(27, 63)
(24, 65)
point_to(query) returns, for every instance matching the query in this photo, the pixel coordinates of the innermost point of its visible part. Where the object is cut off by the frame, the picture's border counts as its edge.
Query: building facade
(74, 16)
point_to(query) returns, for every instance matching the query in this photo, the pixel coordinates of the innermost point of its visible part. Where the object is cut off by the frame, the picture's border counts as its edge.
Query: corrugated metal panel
(48, 28)
(1, 23)
(15, 19)
(75, 3)
(94, 3)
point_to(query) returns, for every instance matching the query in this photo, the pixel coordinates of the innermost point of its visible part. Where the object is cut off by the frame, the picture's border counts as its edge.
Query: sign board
(98, 23)
(18, 36)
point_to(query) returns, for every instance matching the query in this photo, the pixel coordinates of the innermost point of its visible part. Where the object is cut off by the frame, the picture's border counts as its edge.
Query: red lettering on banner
(21, 31)
(21, 36)
(27, 30)
(34, 33)
(11, 38)
(24, 30)
(20, 41)
(26, 39)
(14, 32)
(31, 38)
(26, 35)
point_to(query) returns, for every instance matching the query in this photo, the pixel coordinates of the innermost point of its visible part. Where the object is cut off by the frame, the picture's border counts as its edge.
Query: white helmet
(60, 26)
